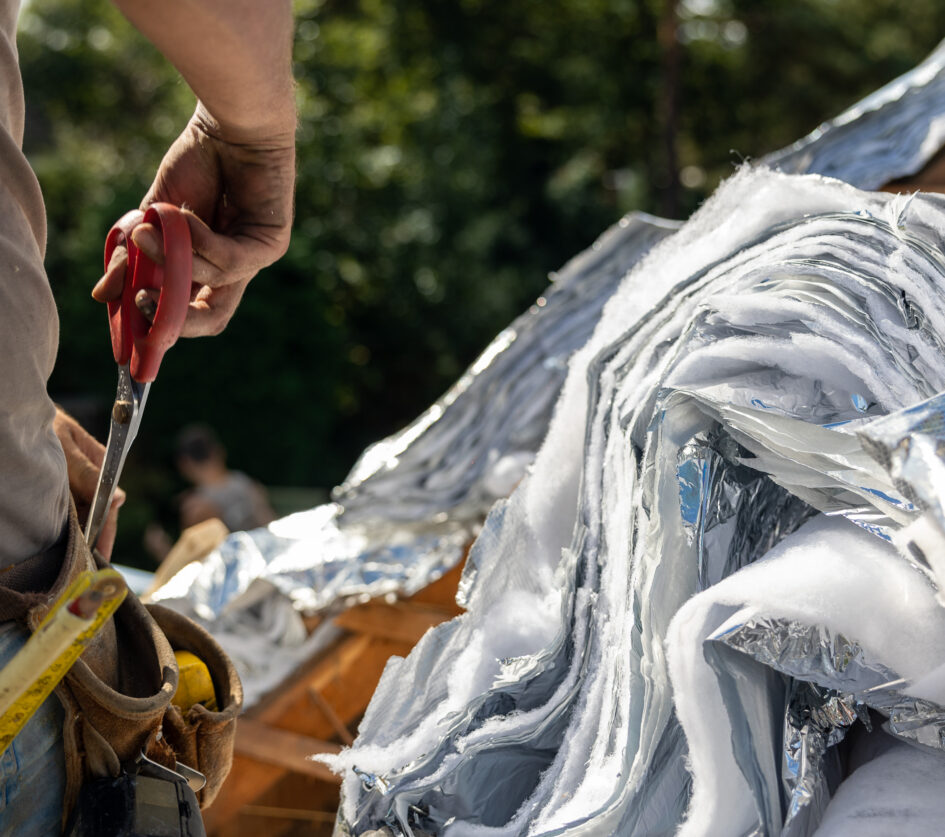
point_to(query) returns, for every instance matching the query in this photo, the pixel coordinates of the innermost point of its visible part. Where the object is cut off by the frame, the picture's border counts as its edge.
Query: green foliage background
(451, 153)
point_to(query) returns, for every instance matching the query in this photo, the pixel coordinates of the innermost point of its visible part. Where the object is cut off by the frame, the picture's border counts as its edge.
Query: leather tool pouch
(117, 696)
(201, 738)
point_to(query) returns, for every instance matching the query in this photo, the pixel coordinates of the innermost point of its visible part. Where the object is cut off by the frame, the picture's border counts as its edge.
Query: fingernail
(98, 290)
(119, 254)
(147, 305)
(147, 242)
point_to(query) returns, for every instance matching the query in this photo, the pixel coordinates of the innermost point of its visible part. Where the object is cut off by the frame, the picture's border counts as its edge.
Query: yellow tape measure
(36, 669)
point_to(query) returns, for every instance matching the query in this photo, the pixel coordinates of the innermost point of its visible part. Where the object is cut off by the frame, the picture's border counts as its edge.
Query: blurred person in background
(236, 499)
(220, 495)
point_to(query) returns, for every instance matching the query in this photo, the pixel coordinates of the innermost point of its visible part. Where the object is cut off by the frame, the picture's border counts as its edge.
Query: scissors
(137, 344)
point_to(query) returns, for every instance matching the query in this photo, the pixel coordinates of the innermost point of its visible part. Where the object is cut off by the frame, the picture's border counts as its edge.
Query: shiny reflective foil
(890, 134)
(720, 407)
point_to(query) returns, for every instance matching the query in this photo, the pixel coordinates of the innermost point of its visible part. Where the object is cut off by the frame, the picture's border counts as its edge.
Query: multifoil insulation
(414, 500)
(890, 134)
(710, 576)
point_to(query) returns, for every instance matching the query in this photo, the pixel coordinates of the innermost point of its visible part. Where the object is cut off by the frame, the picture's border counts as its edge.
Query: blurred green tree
(451, 153)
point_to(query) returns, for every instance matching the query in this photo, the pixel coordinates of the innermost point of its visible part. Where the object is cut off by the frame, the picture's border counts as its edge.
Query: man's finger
(83, 475)
(224, 259)
(87, 444)
(212, 309)
(109, 287)
(79, 449)
(106, 537)
(146, 301)
(149, 240)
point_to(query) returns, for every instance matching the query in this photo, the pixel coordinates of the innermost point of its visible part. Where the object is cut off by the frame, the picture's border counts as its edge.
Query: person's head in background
(199, 456)
(236, 499)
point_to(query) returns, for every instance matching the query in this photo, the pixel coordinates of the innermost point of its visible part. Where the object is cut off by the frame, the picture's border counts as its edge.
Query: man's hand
(237, 189)
(84, 455)
(233, 166)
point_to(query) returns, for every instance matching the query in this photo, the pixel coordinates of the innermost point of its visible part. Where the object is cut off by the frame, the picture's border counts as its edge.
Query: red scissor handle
(134, 339)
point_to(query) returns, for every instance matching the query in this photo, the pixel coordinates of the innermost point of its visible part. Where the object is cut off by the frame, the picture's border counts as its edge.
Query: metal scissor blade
(126, 417)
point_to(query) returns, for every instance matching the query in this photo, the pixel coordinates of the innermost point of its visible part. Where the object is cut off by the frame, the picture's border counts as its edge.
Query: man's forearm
(234, 54)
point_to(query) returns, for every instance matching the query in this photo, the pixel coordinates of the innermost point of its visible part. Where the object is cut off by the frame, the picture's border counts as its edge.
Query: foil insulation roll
(719, 413)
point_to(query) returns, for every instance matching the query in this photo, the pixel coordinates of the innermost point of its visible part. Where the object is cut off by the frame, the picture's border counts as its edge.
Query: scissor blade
(126, 417)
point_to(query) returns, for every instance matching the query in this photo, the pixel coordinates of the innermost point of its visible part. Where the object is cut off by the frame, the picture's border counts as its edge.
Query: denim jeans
(32, 770)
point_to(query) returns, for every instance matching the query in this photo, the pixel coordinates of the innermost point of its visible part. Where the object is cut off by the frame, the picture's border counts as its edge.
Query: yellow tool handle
(194, 683)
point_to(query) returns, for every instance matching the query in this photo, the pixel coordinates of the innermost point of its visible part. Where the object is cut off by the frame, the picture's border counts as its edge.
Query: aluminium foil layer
(890, 134)
(718, 414)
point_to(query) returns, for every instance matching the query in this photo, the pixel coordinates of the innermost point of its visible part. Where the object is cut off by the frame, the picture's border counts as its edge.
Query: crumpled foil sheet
(726, 394)
(731, 513)
(910, 446)
(890, 134)
(314, 562)
(830, 681)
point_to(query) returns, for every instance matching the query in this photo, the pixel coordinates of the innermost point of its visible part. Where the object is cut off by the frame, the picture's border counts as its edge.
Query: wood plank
(442, 592)
(930, 179)
(346, 682)
(286, 793)
(194, 544)
(345, 677)
(400, 621)
(348, 691)
(289, 813)
(340, 680)
(292, 791)
(247, 780)
(288, 750)
(294, 689)
(341, 730)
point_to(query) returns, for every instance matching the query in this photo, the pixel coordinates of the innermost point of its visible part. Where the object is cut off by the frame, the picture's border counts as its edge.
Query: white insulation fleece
(738, 359)
(828, 573)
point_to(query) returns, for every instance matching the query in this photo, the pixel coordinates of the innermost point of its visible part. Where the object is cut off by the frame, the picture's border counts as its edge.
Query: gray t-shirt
(34, 488)
(241, 502)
